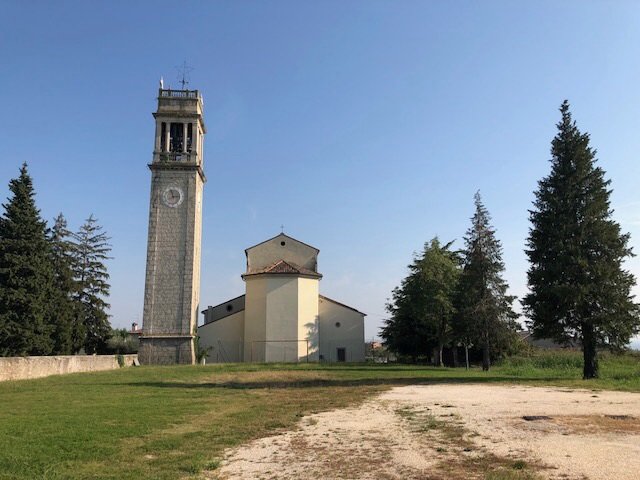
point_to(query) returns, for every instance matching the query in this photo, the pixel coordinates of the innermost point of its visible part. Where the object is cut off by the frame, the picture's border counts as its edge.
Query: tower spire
(183, 74)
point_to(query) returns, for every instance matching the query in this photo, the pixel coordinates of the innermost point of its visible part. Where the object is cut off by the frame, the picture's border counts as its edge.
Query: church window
(229, 308)
(337, 324)
(189, 136)
(282, 243)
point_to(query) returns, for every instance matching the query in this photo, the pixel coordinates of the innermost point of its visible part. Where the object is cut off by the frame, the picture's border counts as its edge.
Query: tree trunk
(486, 358)
(435, 357)
(440, 362)
(590, 353)
(455, 356)
(466, 355)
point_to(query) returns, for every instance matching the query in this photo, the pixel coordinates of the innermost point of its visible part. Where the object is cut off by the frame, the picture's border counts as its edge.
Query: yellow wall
(308, 318)
(281, 313)
(282, 309)
(224, 338)
(255, 315)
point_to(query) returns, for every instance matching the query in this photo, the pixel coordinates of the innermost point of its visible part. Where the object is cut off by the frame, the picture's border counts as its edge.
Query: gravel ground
(574, 434)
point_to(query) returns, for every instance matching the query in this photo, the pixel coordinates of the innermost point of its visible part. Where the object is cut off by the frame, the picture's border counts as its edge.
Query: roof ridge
(282, 234)
(291, 265)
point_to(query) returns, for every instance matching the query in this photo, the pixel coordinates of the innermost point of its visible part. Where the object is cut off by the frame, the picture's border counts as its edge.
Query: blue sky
(365, 127)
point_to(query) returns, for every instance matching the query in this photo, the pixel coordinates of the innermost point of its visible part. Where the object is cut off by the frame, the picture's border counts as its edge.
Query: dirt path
(455, 431)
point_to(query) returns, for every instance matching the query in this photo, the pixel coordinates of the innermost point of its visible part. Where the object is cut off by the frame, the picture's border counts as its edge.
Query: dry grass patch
(266, 378)
(459, 457)
(598, 424)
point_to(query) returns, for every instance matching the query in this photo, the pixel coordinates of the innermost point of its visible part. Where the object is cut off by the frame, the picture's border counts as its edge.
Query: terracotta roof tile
(283, 267)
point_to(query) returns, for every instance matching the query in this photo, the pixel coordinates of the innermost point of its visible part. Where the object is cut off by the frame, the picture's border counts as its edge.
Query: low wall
(18, 368)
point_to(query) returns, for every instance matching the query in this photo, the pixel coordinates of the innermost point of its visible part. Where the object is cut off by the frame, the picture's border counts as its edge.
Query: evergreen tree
(578, 288)
(422, 307)
(484, 314)
(26, 274)
(68, 335)
(405, 332)
(439, 278)
(91, 252)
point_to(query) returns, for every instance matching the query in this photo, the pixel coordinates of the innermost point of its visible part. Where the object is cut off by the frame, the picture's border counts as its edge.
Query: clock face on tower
(172, 196)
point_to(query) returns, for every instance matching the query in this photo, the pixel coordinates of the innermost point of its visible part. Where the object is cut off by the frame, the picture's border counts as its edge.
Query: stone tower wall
(172, 282)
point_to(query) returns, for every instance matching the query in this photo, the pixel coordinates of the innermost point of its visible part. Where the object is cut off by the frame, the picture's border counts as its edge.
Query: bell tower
(172, 282)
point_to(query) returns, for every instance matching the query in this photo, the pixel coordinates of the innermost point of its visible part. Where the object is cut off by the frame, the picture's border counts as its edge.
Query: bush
(561, 361)
(120, 345)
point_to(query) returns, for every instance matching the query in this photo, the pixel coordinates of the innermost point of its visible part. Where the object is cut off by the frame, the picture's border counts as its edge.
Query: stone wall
(18, 368)
(166, 350)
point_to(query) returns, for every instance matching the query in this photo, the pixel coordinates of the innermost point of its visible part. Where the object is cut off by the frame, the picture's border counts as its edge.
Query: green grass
(174, 422)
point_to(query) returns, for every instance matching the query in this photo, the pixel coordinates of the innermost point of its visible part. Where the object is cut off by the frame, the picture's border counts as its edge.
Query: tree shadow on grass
(343, 383)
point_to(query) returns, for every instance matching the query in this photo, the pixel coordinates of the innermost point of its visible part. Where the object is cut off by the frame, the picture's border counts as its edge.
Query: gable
(281, 247)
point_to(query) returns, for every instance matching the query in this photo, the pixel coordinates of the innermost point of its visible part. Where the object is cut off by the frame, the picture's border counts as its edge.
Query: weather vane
(183, 74)
(282, 228)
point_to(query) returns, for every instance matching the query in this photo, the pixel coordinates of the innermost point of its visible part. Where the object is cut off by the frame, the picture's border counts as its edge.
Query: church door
(342, 354)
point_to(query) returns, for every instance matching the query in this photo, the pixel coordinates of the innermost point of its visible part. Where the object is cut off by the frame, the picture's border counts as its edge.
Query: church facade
(282, 317)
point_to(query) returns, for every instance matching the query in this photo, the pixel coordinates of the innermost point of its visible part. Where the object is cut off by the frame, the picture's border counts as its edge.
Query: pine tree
(26, 274)
(91, 252)
(484, 314)
(68, 336)
(578, 288)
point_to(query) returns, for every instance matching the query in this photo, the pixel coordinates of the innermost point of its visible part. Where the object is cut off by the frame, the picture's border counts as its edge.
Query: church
(282, 317)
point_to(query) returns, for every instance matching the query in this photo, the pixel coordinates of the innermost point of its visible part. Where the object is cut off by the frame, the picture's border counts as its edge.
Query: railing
(176, 157)
(179, 93)
(177, 145)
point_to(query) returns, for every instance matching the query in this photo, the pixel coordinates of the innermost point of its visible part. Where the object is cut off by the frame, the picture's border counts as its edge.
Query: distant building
(282, 317)
(545, 343)
(135, 331)
(376, 352)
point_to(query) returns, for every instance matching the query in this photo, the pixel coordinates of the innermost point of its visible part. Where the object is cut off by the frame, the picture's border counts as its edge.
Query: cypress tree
(91, 252)
(26, 274)
(68, 335)
(578, 288)
(484, 314)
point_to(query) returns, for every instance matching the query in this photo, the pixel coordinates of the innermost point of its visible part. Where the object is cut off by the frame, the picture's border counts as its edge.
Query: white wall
(349, 335)
(224, 338)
